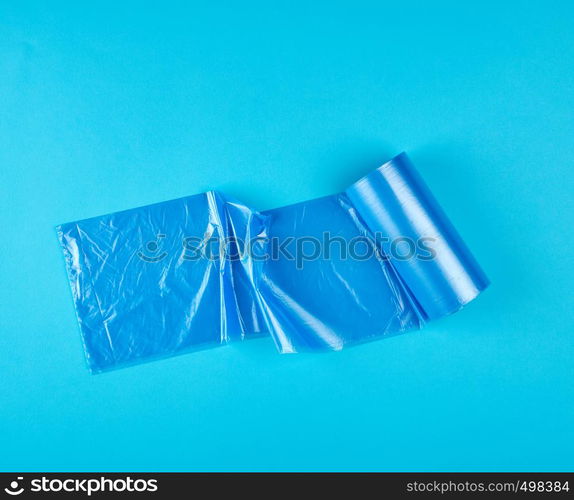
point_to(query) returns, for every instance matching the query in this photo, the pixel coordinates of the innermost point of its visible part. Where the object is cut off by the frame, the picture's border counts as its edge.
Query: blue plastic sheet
(379, 259)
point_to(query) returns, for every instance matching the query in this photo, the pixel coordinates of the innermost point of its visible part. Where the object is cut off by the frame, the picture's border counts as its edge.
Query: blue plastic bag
(379, 259)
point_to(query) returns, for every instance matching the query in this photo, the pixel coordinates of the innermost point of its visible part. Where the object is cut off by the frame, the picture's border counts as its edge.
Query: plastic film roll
(157, 281)
(396, 204)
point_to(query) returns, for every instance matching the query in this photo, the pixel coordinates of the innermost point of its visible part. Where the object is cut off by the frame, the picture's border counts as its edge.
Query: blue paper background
(110, 105)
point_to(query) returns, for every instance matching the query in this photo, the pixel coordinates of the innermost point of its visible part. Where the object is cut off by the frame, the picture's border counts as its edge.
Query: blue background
(111, 105)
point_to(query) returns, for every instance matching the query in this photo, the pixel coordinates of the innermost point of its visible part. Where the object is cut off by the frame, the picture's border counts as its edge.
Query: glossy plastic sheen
(394, 201)
(140, 291)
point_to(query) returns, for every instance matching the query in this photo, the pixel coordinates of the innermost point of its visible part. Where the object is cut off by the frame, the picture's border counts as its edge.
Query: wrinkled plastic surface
(141, 292)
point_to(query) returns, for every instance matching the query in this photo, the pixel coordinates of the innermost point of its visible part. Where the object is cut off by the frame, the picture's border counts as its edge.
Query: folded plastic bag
(379, 259)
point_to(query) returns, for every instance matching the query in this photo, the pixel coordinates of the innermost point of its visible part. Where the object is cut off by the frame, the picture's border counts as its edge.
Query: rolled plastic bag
(206, 270)
(397, 205)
